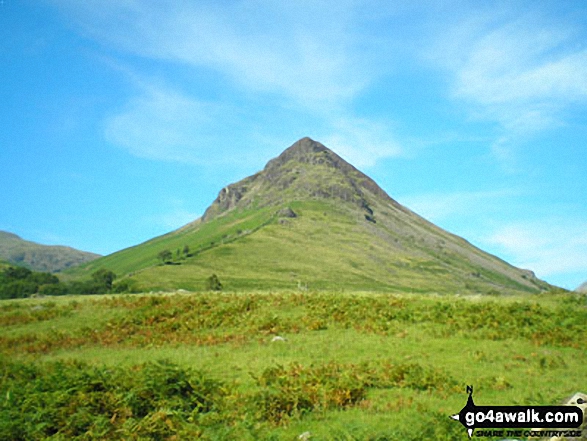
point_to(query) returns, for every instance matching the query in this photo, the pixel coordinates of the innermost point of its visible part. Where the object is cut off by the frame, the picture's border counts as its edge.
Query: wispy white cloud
(549, 247)
(162, 123)
(175, 215)
(441, 206)
(522, 62)
(303, 51)
(519, 70)
(362, 142)
(177, 218)
(305, 56)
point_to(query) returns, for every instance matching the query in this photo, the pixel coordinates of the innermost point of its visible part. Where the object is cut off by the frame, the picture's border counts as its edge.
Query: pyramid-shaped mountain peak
(305, 170)
(311, 217)
(306, 145)
(304, 150)
(308, 151)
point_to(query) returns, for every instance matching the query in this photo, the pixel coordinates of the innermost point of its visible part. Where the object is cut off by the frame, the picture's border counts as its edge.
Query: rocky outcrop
(578, 399)
(287, 212)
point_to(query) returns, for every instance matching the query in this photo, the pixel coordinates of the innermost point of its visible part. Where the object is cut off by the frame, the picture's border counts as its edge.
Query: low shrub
(74, 400)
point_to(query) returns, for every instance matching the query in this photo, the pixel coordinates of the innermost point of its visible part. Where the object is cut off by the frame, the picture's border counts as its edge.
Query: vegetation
(350, 366)
(325, 247)
(76, 401)
(40, 258)
(165, 256)
(18, 282)
(104, 278)
(213, 283)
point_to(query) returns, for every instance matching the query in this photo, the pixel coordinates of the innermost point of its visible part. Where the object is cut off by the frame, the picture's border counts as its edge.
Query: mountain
(582, 288)
(310, 219)
(44, 258)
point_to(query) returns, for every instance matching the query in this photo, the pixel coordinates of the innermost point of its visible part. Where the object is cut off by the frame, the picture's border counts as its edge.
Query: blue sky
(121, 120)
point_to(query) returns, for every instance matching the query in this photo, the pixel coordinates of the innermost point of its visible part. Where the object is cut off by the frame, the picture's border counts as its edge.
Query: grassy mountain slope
(311, 219)
(38, 257)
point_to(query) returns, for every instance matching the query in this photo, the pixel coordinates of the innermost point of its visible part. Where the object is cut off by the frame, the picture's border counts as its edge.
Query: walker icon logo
(518, 417)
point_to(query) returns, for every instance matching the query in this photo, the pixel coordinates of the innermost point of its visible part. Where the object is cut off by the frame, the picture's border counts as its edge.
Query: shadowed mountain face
(309, 218)
(38, 257)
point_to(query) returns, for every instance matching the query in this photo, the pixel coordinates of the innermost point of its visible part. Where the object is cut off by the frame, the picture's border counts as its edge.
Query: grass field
(352, 366)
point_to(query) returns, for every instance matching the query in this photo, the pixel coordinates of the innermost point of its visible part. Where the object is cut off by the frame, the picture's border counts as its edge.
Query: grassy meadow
(350, 366)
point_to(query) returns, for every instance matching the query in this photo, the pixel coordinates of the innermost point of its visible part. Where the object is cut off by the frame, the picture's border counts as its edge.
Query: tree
(18, 289)
(44, 278)
(165, 256)
(104, 277)
(17, 273)
(54, 289)
(213, 283)
(126, 285)
(186, 251)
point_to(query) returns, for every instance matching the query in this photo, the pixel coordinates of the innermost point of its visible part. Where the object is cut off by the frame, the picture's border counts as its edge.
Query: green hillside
(37, 257)
(311, 220)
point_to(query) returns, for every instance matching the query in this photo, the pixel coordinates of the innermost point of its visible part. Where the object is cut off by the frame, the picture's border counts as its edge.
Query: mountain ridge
(37, 257)
(310, 217)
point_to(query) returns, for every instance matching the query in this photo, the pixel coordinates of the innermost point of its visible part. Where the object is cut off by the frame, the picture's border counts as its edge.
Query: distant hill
(582, 288)
(310, 219)
(36, 257)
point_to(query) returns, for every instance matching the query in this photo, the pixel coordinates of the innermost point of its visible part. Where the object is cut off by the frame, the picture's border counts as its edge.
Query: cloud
(441, 206)
(163, 124)
(362, 142)
(523, 63)
(549, 247)
(276, 62)
(307, 52)
(517, 69)
(177, 218)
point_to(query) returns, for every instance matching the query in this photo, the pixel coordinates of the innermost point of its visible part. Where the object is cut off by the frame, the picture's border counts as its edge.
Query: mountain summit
(305, 170)
(311, 219)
